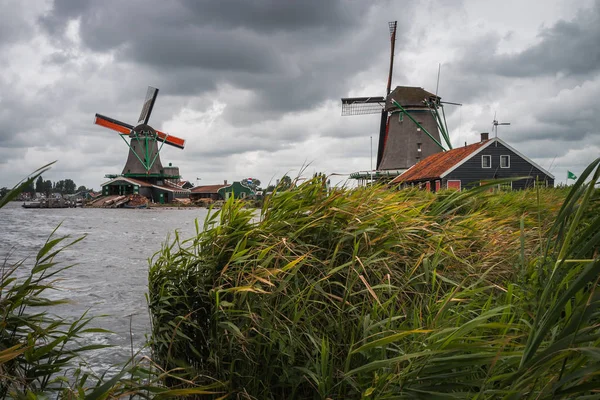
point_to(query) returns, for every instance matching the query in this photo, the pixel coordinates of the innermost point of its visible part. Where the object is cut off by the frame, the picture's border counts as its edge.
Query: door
(454, 184)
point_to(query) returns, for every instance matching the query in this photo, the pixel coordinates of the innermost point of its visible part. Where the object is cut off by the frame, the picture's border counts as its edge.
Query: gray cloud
(293, 55)
(567, 47)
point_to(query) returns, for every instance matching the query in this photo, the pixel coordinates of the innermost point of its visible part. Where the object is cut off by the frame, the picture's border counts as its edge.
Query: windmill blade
(148, 105)
(113, 124)
(383, 133)
(126, 129)
(171, 140)
(392, 26)
(362, 105)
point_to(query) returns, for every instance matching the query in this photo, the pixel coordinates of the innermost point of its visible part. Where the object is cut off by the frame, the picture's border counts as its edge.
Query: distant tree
(59, 186)
(82, 189)
(269, 189)
(39, 184)
(285, 183)
(4, 191)
(254, 184)
(69, 186)
(30, 189)
(47, 187)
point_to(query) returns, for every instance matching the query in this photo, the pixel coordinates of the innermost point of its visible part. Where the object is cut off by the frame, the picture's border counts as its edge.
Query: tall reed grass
(378, 293)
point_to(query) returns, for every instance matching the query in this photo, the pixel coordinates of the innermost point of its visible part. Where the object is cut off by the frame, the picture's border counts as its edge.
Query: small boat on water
(49, 203)
(138, 206)
(32, 204)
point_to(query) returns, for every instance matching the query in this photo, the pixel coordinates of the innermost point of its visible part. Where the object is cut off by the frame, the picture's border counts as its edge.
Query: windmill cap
(411, 96)
(144, 128)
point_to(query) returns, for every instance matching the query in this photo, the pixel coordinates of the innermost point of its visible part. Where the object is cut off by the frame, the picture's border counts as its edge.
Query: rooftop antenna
(438, 79)
(495, 125)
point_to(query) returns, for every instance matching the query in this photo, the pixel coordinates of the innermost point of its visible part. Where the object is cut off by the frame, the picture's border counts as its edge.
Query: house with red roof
(207, 192)
(473, 165)
(237, 189)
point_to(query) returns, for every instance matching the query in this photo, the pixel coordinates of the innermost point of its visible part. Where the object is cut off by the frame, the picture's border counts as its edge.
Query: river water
(111, 275)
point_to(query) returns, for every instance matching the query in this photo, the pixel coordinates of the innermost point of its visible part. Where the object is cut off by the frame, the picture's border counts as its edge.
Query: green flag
(571, 175)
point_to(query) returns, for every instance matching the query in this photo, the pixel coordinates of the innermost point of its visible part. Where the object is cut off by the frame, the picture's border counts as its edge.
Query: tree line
(46, 187)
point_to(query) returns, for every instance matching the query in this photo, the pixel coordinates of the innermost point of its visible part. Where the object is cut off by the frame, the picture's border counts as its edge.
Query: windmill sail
(151, 94)
(362, 105)
(126, 129)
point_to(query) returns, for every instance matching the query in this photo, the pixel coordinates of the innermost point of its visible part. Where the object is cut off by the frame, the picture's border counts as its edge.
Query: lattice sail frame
(362, 105)
(151, 95)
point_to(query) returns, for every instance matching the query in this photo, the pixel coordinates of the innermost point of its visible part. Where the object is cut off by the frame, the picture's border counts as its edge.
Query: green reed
(379, 293)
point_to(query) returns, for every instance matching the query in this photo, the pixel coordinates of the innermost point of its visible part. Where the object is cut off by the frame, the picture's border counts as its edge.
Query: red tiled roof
(208, 188)
(436, 164)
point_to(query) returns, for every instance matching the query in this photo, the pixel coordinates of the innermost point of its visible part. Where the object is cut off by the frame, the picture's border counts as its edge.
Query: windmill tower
(143, 167)
(412, 120)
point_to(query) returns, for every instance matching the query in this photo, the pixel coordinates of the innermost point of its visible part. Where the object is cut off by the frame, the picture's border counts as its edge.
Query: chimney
(225, 182)
(484, 136)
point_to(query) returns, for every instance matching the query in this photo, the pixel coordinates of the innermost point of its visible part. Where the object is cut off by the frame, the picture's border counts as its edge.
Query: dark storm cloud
(292, 55)
(567, 47)
(273, 15)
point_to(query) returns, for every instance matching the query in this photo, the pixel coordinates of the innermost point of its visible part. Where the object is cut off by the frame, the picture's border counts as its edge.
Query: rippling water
(112, 273)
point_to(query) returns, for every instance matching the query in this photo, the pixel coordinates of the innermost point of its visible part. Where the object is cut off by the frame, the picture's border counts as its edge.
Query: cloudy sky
(255, 86)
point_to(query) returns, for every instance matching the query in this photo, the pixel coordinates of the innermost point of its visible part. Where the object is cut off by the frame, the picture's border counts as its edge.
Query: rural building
(221, 192)
(206, 192)
(161, 192)
(237, 189)
(471, 165)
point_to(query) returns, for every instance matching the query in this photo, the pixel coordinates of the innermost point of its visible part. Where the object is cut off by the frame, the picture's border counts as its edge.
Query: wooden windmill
(145, 143)
(410, 125)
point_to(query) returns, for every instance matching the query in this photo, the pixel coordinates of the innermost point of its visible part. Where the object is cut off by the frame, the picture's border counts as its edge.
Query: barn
(471, 165)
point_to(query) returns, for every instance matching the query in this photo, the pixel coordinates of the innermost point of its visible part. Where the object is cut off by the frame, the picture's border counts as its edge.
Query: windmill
(410, 124)
(145, 144)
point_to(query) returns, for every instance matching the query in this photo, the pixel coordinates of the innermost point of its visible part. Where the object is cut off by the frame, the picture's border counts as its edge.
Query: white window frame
(498, 186)
(482, 158)
(454, 180)
(508, 158)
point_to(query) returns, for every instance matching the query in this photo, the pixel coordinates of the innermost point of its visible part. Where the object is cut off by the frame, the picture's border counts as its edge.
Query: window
(418, 126)
(486, 161)
(504, 161)
(419, 147)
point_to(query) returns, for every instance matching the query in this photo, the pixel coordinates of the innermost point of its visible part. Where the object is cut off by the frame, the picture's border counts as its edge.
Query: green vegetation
(375, 293)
